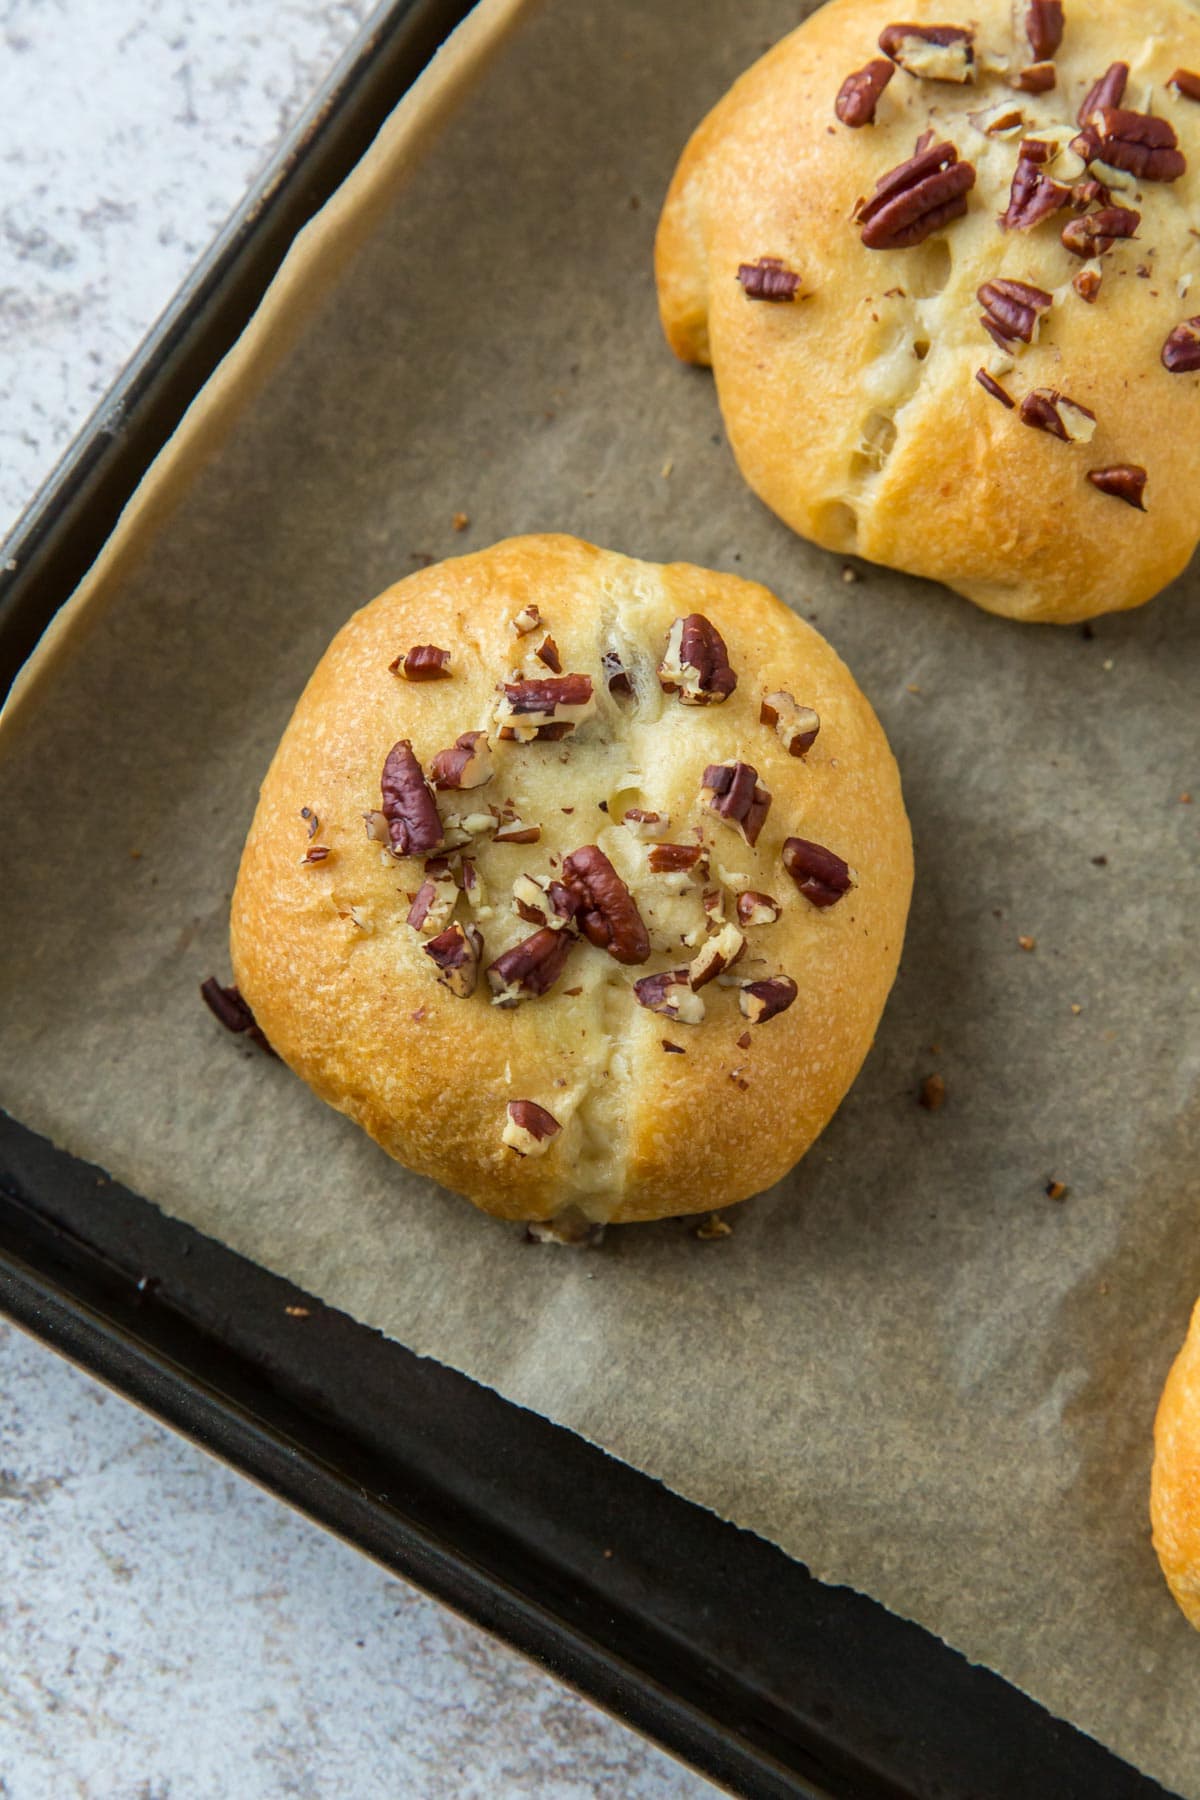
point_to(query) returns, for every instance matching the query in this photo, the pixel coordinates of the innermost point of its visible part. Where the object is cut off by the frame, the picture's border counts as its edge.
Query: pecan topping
(474, 888)
(232, 1010)
(530, 968)
(1036, 78)
(1014, 310)
(608, 914)
(540, 901)
(1044, 27)
(1141, 144)
(377, 827)
(992, 387)
(757, 909)
(314, 823)
(667, 859)
(1097, 232)
(424, 662)
(1108, 91)
(717, 955)
(467, 764)
(408, 804)
(670, 994)
(769, 279)
(1047, 410)
(527, 620)
(1187, 83)
(529, 1128)
(795, 726)
(1181, 352)
(642, 824)
(1124, 481)
(821, 876)
(1033, 196)
(859, 94)
(695, 663)
(731, 791)
(932, 52)
(515, 831)
(547, 652)
(436, 898)
(316, 853)
(917, 198)
(1087, 283)
(549, 707)
(457, 951)
(1089, 193)
(615, 676)
(763, 1000)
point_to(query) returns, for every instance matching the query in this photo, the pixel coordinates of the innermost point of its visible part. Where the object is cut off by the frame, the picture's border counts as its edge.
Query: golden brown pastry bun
(1175, 1483)
(847, 322)
(577, 987)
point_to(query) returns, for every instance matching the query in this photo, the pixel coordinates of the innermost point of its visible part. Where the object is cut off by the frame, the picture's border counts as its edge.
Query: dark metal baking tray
(701, 1635)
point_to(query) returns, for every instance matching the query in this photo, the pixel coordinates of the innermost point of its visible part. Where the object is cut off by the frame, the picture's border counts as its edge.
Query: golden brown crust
(811, 391)
(352, 1004)
(1175, 1483)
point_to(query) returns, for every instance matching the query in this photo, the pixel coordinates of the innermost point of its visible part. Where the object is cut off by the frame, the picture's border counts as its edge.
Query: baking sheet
(907, 1366)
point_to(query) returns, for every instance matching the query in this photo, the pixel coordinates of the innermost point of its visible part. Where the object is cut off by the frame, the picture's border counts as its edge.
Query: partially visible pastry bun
(1175, 1483)
(840, 242)
(579, 882)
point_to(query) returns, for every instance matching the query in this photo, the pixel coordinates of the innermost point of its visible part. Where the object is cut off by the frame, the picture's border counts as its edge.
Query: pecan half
(1014, 310)
(615, 676)
(820, 874)
(795, 726)
(527, 620)
(1108, 91)
(436, 898)
(672, 995)
(547, 652)
(530, 968)
(1124, 481)
(414, 827)
(424, 662)
(529, 1128)
(859, 93)
(1099, 231)
(1187, 83)
(763, 1000)
(695, 663)
(1139, 143)
(991, 386)
(716, 955)
(548, 707)
(769, 279)
(1181, 352)
(457, 952)
(607, 913)
(731, 791)
(1035, 78)
(1033, 196)
(916, 198)
(670, 859)
(1044, 27)
(931, 52)
(1047, 410)
(230, 1009)
(757, 909)
(467, 763)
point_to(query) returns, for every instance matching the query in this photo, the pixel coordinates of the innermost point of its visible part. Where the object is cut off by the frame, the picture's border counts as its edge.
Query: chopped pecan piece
(672, 995)
(860, 92)
(1044, 27)
(314, 823)
(820, 874)
(642, 824)
(229, 1007)
(515, 831)
(1036, 78)
(548, 707)
(991, 386)
(457, 952)
(1187, 83)
(540, 901)
(917, 198)
(424, 662)
(931, 52)
(529, 1128)
(716, 955)
(527, 620)
(435, 901)
(467, 763)
(695, 663)
(731, 791)
(474, 888)
(670, 859)
(377, 827)
(615, 676)
(757, 909)
(530, 968)
(999, 121)
(316, 853)
(607, 913)
(763, 1000)
(547, 652)
(1087, 282)
(1097, 232)
(1141, 144)
(1089, 193)
(769, 279)
(1124, 481)
(1014, 310)
(795, 726)
(1108, 91)
(1181, 352)
(414, 827)
(1034, 196)
(1047, 410)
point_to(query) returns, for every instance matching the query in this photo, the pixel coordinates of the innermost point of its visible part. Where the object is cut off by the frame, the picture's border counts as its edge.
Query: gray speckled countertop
(165, 1628)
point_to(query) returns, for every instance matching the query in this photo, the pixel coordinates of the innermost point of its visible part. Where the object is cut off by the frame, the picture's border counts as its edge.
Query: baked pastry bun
(935, 341)
(578, 882)
(1175, 1483)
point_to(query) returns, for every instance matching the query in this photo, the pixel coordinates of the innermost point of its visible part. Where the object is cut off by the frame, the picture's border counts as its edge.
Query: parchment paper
(907, 1366)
